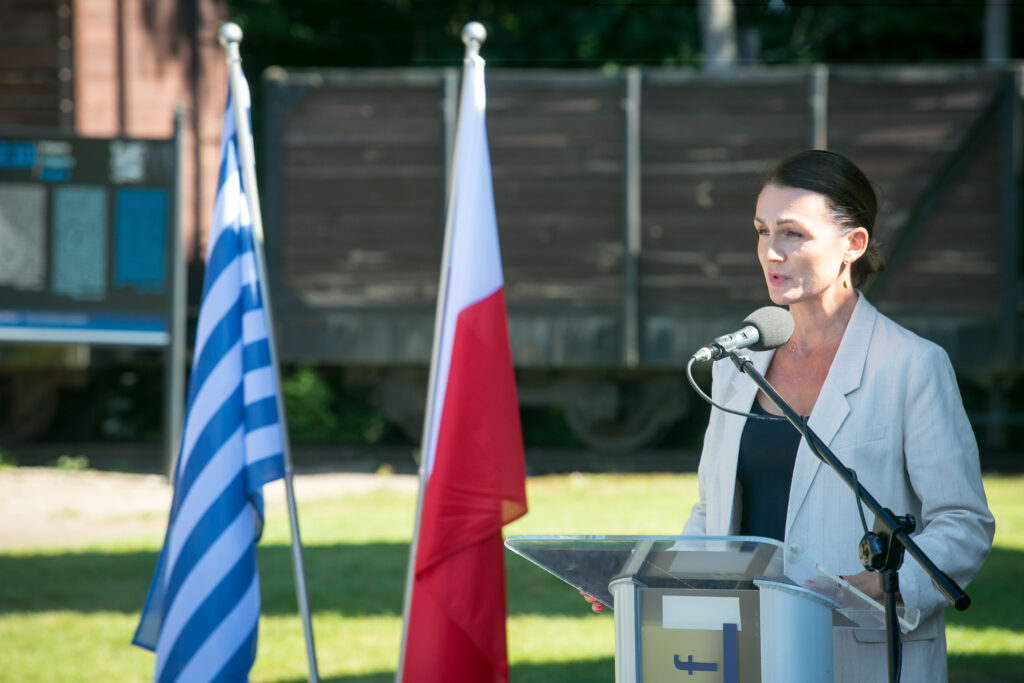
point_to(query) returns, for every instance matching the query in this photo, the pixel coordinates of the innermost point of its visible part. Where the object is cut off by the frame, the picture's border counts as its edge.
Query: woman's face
(799, 245)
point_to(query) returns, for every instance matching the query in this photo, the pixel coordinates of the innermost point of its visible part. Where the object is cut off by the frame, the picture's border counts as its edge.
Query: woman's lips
(776, 279)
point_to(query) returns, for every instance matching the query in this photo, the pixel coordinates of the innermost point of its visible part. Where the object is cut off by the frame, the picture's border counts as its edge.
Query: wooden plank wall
(902, 133)
(706, 147)
(363, 195)
(362, 190)
(557, 148)
(358, 216)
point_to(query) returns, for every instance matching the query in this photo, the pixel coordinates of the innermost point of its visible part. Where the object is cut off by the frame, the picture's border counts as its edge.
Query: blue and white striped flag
(203, 606)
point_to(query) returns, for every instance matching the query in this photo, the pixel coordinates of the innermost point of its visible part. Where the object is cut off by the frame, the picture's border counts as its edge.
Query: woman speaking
(884, 400)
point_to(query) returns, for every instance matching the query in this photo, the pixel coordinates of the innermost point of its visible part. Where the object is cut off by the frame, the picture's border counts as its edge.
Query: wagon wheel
(643, 413)
(28, 403)
(400, 399)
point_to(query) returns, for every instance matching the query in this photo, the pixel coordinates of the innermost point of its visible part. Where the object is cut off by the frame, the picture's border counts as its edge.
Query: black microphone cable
(700, 392)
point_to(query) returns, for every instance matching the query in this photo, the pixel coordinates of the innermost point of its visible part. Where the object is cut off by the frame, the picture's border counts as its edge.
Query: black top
(764, 471)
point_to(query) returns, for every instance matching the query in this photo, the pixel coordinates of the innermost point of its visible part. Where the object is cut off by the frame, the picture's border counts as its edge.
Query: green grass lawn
(69, 616)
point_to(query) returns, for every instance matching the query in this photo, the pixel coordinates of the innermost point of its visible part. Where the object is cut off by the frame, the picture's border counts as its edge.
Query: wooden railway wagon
(624, 205)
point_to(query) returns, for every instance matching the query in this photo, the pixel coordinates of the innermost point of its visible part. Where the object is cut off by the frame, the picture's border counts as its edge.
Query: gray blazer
(891, 410)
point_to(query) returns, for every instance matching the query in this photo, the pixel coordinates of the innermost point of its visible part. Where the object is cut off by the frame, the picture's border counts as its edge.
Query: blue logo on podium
(730, 657)
(689, 666)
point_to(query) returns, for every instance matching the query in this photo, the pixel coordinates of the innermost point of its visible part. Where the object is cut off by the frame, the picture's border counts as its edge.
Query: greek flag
(203, 606)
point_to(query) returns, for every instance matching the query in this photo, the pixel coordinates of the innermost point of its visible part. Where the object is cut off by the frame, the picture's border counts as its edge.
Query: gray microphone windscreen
(774, 327)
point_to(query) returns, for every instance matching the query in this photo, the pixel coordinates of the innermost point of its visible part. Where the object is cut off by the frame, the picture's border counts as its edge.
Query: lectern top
(591, 563)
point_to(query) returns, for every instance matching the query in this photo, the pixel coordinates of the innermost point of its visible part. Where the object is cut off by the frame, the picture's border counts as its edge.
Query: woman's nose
(772, 251)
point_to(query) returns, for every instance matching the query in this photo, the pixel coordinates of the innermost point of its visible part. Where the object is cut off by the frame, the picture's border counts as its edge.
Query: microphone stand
(880, 550)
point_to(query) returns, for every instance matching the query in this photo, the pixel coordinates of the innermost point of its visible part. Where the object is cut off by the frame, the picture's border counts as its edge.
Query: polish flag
(473, 477)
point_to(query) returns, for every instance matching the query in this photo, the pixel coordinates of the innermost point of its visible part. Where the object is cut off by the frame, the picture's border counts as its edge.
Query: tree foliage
(595, 34)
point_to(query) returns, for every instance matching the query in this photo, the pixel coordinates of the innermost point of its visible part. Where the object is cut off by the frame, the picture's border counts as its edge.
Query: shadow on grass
(586, 671)
(351, 580)
(986, 669)
(996, 598)
(369, 579)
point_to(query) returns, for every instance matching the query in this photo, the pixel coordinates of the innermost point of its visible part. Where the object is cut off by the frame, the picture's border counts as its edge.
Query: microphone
(764, 329)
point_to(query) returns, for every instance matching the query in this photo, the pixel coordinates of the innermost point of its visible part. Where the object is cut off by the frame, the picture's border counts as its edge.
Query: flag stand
(230, 36)
(473, 35)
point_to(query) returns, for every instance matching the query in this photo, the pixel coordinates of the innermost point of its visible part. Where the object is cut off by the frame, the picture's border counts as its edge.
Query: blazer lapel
(832, 406)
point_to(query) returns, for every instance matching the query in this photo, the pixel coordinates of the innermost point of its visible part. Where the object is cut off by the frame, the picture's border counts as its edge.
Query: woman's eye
(794, 234)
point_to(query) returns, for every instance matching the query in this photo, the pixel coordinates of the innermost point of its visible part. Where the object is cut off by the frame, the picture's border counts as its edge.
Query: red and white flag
(473, 472)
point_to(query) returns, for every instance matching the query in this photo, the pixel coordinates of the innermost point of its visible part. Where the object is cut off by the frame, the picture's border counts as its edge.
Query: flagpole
(230, 37)
(473, 35)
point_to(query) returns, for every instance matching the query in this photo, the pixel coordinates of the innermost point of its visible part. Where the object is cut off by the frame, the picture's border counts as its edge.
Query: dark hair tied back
(850, 196)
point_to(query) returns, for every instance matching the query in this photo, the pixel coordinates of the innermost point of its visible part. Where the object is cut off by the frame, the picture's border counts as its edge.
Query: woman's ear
(857, 243)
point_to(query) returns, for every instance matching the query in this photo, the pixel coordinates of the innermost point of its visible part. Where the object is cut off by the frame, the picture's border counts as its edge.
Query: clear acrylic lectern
(737, 609)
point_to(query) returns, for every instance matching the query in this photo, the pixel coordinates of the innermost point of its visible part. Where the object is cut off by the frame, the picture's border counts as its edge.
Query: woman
(884, 400)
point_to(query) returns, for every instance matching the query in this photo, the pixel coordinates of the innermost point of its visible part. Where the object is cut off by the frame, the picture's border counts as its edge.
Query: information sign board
(86, 239)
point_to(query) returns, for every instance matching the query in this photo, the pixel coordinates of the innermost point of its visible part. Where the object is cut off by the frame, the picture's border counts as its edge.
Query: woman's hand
(869, 583)
(594, 604)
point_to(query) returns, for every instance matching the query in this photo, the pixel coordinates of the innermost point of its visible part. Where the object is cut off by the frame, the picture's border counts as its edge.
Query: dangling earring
(846, 263)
